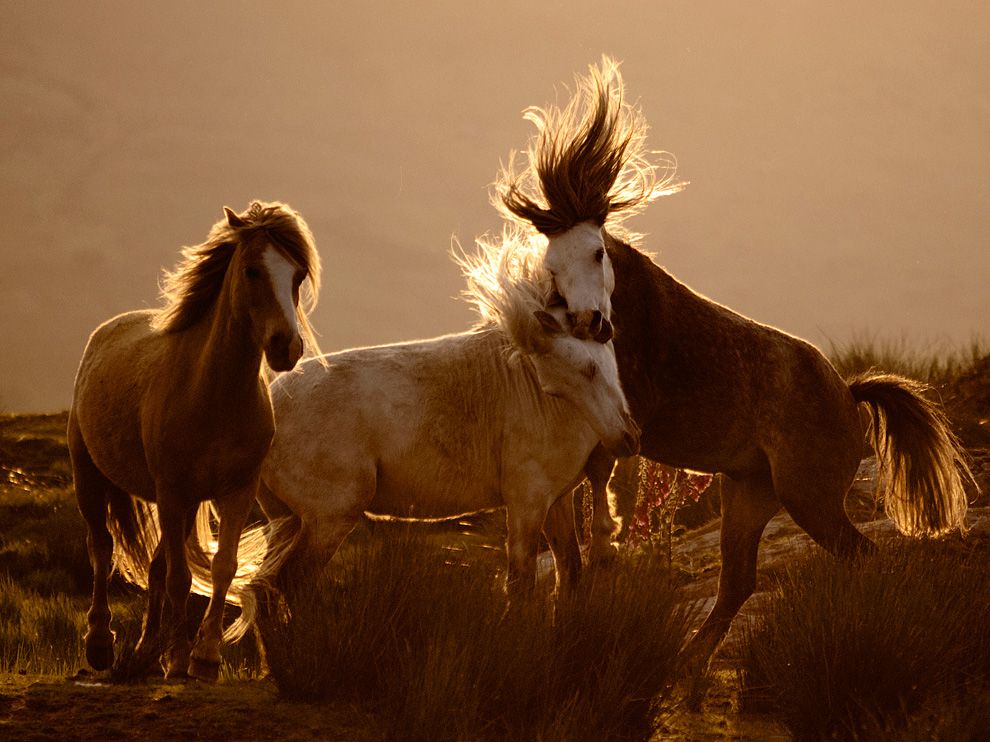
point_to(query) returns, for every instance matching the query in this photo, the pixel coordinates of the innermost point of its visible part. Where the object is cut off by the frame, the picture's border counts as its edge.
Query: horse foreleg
(562, 537)
(204, 663)
(624, 488)
(598, 469)
(747, 507)
(175, 520)
(522, 545)
(149, 645)
(91, 496)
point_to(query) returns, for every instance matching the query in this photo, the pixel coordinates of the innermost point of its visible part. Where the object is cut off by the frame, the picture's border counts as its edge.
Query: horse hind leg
(815, 500)
(93, 491)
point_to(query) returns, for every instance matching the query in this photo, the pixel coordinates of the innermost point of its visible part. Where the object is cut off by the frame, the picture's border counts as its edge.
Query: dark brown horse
(715, 391)
(171, 407)
(712, 390)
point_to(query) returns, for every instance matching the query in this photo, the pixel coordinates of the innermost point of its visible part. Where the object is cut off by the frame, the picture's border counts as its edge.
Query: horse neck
(513, 380)
(227, 361)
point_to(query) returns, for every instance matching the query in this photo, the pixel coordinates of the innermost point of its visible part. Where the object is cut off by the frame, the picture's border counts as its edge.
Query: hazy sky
(837, 152)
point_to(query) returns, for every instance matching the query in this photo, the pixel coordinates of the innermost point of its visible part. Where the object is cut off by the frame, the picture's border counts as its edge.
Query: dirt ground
(84, 708)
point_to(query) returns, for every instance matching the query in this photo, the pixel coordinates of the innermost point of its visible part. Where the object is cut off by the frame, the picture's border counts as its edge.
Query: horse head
(266, 281)
(585, 373)
(583, 280)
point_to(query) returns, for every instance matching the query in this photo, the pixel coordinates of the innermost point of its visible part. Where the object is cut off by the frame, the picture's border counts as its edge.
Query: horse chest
(214, 457)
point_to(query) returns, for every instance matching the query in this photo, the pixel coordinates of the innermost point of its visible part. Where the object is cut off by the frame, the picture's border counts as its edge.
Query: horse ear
(549, 323)
(232, 219)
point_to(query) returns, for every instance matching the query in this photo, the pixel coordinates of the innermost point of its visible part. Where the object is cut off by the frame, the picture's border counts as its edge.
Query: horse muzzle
(590, 324)
(628, 443)
(283, 351)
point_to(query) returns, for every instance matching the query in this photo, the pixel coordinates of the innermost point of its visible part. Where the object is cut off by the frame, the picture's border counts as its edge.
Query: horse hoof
(201, 669)
(99, 649)
(99, 655)
(176, 674)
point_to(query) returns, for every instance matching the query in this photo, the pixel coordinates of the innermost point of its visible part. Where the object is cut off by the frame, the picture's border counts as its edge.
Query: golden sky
(837, 153)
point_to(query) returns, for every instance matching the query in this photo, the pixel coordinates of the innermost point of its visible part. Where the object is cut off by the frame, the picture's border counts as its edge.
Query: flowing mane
(587, 162)
(507, 283)
(192, 287)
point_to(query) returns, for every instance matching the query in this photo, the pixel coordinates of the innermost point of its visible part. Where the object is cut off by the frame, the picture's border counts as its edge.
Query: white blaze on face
(281, 271)
(581, 269)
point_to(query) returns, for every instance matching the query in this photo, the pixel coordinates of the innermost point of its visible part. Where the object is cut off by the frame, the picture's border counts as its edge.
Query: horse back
(423, 420)
(714, 390)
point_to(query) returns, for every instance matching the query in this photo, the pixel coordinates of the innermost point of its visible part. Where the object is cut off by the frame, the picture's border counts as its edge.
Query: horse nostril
(604, 333)
(596, 321)
(632, 442)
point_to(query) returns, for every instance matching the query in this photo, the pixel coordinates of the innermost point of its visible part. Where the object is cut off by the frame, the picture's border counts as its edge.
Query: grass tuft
(937, 363)
(38, 634)
(857, 650)
(426, 641)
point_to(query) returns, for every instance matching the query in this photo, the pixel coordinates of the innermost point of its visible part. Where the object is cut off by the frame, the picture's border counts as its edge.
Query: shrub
(937, 364)
(849, 650)
(422, 636)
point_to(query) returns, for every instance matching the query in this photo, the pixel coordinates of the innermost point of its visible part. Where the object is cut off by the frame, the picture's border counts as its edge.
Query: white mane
(507, 282)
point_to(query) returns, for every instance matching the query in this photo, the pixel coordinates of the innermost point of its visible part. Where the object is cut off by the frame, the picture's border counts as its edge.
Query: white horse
(504, 414)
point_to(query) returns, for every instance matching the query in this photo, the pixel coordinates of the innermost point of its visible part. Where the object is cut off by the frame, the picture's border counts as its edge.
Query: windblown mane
(588, 160)
(507, 283)
(190, 290)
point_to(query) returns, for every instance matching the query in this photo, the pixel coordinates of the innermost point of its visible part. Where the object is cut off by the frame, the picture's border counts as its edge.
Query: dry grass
(426, 640)
(937, 363)
(883, 646)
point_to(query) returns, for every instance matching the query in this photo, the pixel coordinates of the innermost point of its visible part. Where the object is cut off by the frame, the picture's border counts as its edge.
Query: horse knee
(223, 570)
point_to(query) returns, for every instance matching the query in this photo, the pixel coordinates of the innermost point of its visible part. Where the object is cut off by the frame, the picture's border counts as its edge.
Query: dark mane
(587, 162)
(192, 287)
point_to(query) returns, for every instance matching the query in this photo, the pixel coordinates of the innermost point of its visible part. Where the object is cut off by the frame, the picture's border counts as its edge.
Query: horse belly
(432, 492)
(119, 454)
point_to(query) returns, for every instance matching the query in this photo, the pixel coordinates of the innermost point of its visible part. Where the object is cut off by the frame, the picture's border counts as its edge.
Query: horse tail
(133, 524)
(261, 552)
(919, 458)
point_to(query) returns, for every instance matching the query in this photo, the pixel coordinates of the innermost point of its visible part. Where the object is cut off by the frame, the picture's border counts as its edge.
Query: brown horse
(171, 407)
(715, 391)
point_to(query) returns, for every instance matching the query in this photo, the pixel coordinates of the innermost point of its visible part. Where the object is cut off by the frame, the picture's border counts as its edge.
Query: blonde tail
(919, 458)
(261, 553)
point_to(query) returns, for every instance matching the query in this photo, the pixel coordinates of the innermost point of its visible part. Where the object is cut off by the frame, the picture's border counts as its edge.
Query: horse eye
(252, 273)
(599, 254)
(590, 371)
